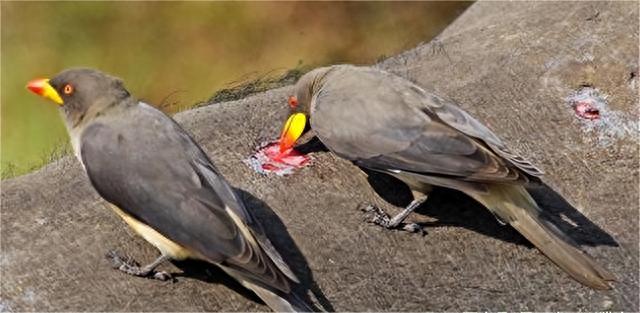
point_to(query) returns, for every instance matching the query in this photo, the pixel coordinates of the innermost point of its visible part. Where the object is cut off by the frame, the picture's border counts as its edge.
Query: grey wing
(457, 118)
(380, 127)
(151, 169)
(210, 174)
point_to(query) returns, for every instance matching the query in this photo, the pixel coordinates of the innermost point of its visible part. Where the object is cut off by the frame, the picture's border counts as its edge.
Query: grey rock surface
(512, 65)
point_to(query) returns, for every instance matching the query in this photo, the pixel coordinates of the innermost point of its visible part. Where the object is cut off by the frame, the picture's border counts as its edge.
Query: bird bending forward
(388, 124)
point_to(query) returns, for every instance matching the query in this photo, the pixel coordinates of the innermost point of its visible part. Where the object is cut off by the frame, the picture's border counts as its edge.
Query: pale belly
(164, 244)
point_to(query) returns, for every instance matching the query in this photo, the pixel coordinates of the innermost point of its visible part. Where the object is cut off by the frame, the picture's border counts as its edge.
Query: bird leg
(381, 218)
(131, 267)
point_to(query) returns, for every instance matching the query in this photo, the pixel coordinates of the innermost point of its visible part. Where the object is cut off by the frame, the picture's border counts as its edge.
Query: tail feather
(277, 300)
(280, 302)
(514, 205)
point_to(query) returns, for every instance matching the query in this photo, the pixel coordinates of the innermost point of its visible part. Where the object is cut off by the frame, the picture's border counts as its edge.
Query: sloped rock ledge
(512, 65)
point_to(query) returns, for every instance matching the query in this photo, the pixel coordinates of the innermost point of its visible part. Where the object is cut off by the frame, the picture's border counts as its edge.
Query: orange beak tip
(42, 88)
(36, 86)
(284, 145)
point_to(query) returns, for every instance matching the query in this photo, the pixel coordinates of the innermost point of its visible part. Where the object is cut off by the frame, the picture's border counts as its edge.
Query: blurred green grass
(176, 54)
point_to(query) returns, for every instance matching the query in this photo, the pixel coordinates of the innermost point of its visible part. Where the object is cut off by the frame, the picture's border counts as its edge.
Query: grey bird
(385, 123)
(164, 186)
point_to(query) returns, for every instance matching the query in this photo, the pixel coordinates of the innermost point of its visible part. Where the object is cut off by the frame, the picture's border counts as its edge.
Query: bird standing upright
(164, 186)
(388, 124)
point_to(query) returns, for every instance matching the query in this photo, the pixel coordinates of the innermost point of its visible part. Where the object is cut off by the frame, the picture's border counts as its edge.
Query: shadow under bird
(164, 186)
(388, 124)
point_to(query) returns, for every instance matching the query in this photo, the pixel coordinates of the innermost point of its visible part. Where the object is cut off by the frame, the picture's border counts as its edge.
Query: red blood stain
(268, 167)
(271, 160)
(587, 110)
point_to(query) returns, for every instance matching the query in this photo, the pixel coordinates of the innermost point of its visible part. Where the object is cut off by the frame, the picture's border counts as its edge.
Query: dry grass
(247, 87)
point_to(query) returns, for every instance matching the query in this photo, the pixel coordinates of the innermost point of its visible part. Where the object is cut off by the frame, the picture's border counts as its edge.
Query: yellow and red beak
(292, 130)
(41, 87)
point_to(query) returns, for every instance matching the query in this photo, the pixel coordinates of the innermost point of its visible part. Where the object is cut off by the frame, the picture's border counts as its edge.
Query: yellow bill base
(292, 130)
(42, 88)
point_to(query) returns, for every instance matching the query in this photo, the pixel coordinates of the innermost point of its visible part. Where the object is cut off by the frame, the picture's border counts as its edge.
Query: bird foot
(130, 266)
(381, 218)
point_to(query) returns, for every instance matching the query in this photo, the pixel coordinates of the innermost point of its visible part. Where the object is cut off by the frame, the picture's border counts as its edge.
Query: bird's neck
(310, 86)
(320, 78)
(80, 118)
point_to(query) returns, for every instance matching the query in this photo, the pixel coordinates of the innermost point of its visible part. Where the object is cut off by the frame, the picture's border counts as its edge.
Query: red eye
(293, 102)
(68, 89)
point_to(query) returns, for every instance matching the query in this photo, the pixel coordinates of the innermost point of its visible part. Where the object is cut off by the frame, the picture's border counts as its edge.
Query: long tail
(514, 205)
(280, 302)
(277, 300)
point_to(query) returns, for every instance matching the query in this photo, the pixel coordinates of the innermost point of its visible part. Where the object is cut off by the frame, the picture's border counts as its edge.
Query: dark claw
(365, 207)
(414, 228)
(119, 261)
(163, 276)
(379, 216)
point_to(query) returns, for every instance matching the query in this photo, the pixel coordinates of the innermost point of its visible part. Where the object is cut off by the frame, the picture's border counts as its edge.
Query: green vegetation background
(176, 54)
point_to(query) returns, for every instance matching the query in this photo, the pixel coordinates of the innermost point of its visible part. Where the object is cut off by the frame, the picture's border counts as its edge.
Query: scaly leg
(380, 217)
(131, 267)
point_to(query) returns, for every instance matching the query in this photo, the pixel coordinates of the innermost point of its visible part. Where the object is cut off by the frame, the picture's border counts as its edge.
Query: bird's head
(80, 91)
(305, 91)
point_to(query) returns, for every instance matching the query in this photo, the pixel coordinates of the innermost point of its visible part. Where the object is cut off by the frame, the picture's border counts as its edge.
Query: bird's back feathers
(385, 122)
(144, 163)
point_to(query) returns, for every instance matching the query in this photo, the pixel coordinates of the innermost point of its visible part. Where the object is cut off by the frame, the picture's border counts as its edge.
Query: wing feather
(388, 123)
(149, 167)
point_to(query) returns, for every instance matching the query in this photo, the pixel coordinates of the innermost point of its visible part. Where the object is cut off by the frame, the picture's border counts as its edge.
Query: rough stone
(512, 65)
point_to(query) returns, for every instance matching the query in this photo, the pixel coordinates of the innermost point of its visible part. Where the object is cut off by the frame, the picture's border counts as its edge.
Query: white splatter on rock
(595, 115)
(269, 159)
